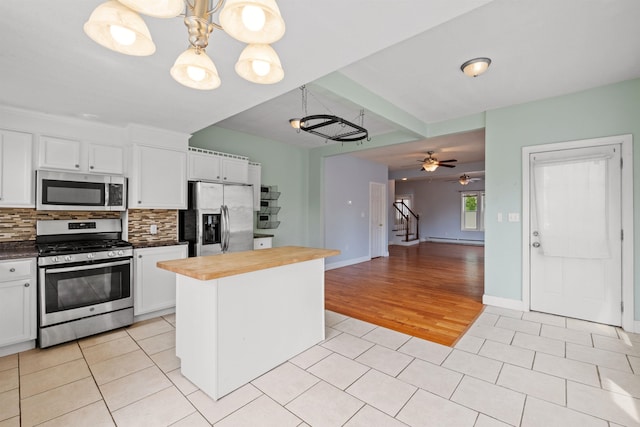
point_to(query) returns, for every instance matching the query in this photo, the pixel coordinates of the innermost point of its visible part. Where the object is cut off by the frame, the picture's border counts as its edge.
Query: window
(472, 211)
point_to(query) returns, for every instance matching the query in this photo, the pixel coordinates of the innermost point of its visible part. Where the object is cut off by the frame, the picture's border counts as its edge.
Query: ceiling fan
(430, 163)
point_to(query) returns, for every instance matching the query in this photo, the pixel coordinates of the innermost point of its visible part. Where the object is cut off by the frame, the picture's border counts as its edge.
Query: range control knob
(90, 256)
(68, 258)
(120, 252)
(55, 259)
(111, 253)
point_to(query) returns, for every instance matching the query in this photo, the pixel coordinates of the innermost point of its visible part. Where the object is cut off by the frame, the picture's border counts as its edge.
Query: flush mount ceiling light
(117, 25)
(476, 66)
(329, 126)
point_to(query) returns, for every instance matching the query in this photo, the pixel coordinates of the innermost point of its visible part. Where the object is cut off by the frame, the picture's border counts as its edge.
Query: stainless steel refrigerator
(219, 218)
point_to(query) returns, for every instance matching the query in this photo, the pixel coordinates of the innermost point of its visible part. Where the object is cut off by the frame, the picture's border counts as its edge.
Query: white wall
(346, 207)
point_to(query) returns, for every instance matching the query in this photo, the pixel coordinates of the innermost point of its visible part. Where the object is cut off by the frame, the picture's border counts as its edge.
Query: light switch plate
(514, 217)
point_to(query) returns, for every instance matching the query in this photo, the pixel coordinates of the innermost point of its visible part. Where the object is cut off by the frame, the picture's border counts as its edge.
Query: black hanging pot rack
(333, 127)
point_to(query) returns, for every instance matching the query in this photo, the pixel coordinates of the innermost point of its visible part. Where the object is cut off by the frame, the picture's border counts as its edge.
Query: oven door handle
(87, 267)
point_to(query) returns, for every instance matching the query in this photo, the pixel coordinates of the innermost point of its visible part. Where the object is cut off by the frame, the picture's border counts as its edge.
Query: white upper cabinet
(107, 159)
(158, 178)
(74, 155)
(206, 165)
(59, 153)
(235, 170)
(16, 175)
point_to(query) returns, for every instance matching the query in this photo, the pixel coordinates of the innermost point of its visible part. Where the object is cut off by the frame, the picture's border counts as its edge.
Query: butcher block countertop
(230, 264)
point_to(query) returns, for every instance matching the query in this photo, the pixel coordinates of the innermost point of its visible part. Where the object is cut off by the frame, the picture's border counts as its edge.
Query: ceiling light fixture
(117, 25)
(476, 66)
(430, 165)
(329, 126)
(464, 179)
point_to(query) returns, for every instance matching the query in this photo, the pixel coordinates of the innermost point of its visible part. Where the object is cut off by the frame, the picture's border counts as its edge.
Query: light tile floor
(510, 368)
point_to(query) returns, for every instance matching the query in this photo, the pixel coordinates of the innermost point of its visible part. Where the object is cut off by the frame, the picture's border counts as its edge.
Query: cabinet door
(235, 170)
(154, 288)
(255, 172)
(204, 167)
(16, 175)
(17, 311)
(59, 153)
(106, 159)
(160, 178)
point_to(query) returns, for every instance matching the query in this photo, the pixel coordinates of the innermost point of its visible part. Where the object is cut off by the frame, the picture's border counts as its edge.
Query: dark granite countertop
(156, 244)
(20, 249)
(259, 235)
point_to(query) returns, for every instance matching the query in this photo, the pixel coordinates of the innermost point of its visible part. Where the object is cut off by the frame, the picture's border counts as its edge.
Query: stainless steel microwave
(72, 191)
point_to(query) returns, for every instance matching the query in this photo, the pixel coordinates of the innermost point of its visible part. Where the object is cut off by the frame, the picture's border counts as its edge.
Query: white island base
(231, 330)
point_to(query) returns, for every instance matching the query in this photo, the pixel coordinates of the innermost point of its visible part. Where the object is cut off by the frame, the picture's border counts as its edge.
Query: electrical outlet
(153, 229)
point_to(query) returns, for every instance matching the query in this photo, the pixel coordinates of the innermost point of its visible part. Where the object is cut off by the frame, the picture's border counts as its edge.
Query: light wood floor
(430, 290)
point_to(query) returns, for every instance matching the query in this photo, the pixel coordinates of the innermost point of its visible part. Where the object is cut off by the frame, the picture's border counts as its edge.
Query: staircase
(406, 224)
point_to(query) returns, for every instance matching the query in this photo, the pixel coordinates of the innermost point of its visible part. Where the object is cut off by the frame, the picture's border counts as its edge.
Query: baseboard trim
(17, 348)
(504, 303)
(636, 326)
(151, 315)
(454, 241)
(346, 263)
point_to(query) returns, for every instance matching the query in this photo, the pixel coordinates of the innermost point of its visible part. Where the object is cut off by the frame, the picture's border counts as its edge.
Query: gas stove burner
(80, 246)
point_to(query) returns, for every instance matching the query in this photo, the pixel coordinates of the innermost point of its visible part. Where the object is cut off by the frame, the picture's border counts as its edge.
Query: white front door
(575, 233)
(377, 217)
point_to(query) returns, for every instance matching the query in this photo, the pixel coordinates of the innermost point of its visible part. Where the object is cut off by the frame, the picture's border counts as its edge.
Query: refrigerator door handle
(225, 227)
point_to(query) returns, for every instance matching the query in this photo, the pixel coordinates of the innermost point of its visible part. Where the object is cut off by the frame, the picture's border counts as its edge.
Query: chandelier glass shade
(196, 70)
(116, 25)
(259, 63)
(256, 21)
(156, 8)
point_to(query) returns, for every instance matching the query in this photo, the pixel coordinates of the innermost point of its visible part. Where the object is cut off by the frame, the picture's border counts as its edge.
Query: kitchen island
(240, 314)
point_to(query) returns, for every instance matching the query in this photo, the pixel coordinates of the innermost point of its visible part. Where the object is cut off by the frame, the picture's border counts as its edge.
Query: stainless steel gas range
(85, 278)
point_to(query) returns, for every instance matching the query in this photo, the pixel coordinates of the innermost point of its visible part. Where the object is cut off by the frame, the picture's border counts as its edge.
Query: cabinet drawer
(262, 243)
(10, 270)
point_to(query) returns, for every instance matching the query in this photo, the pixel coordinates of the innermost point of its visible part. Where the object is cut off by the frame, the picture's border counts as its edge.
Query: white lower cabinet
(154, 289)
(18, 296)
(262, 242)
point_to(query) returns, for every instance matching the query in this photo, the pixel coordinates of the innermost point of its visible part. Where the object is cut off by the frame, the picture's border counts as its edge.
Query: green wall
(298, 172)
(283, 165)
(604, 111)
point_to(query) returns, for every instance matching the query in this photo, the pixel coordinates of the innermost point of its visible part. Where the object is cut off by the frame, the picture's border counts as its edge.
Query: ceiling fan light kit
(116, 25)
(430, 163)
(476, 66)
(464, 179)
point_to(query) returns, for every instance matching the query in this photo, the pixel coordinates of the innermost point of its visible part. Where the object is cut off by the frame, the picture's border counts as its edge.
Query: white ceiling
(400, 61)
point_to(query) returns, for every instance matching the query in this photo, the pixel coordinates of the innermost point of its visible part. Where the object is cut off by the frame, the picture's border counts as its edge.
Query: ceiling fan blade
(447, 166)
(447, 161)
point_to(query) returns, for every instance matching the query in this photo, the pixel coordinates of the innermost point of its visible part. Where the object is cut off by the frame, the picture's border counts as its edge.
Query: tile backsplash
(141, 220)
(20, 223)
(17, 224)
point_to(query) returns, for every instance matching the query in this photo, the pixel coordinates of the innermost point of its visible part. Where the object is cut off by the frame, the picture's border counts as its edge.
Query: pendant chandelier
(118, 26)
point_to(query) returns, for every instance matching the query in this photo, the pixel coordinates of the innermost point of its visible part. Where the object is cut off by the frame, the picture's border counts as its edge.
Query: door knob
(536, 244)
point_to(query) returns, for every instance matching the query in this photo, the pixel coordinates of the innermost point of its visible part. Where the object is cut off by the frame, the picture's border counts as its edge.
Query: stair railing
(407, 220)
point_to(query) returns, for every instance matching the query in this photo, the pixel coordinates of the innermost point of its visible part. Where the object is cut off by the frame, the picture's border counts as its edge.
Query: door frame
(626, 143)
